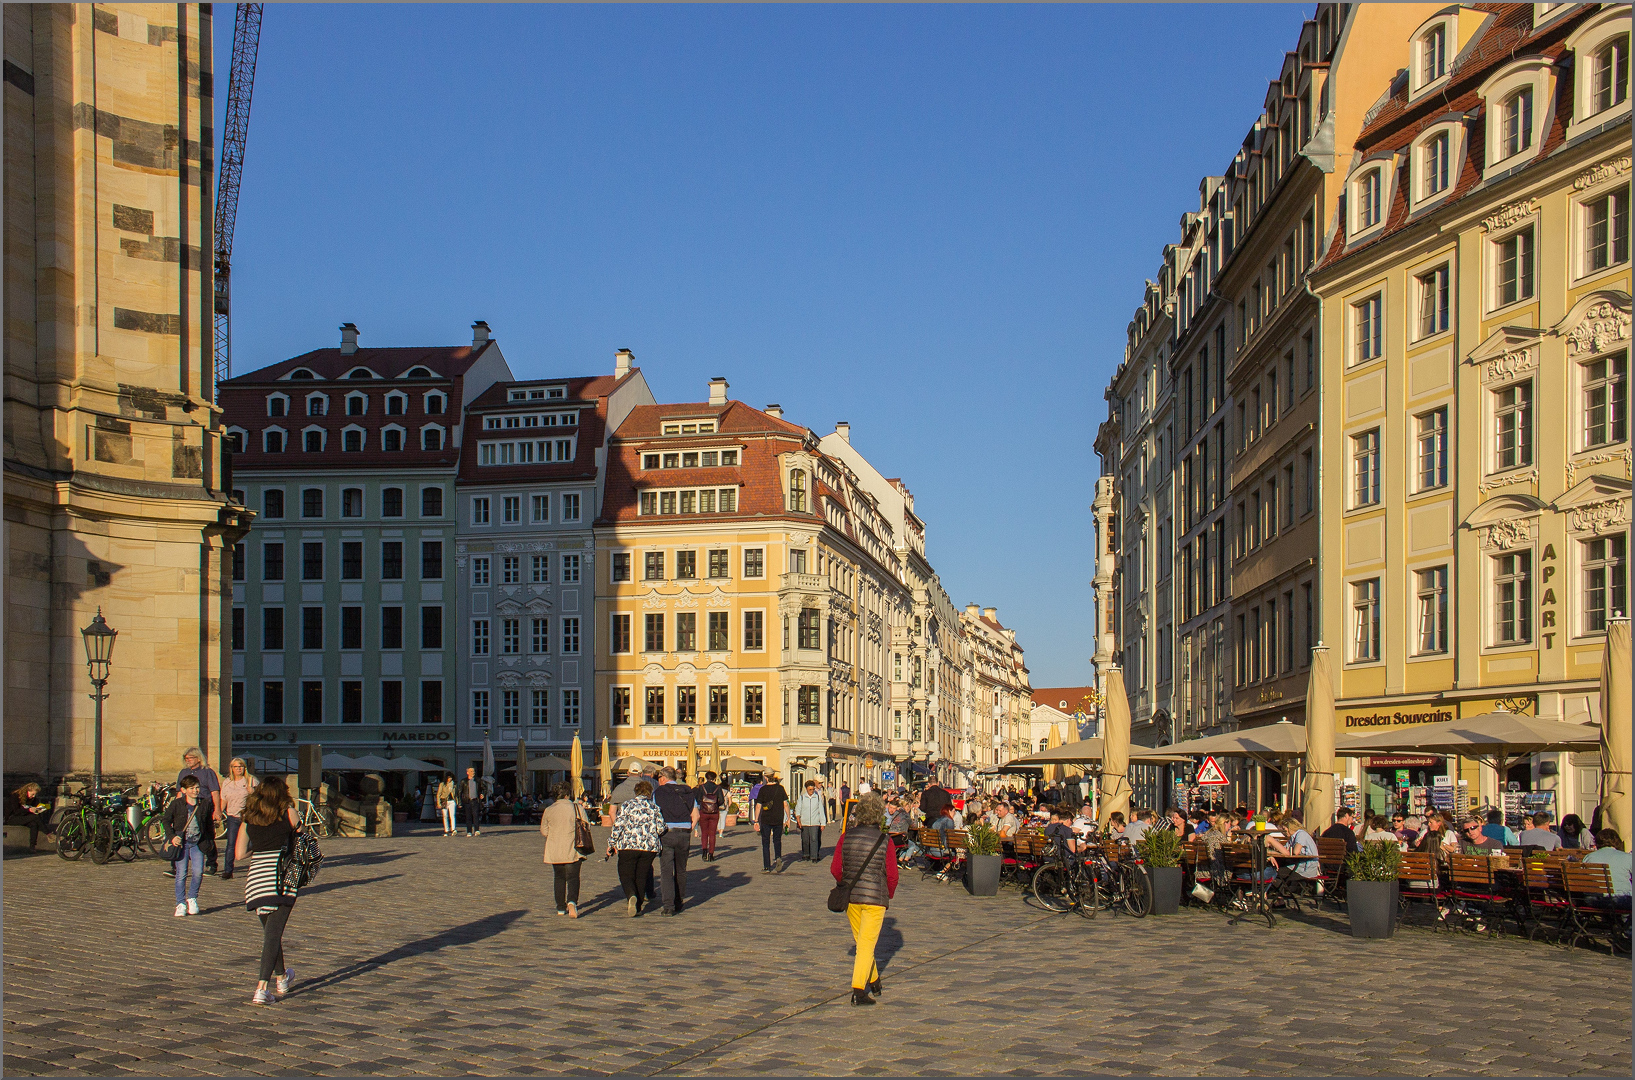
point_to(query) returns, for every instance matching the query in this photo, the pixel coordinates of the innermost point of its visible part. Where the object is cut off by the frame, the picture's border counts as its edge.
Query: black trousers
(673, 867)
(771, 841)
(474, 811)
(567, 883)
(207, 842)
(272, 942)
(636, 873)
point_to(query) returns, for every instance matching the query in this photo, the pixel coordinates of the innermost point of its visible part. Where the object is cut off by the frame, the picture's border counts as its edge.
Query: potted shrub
(401, 808)
(1161, 855)
(983, 861)
(607, 815)
(1371, 894)
(732, 815)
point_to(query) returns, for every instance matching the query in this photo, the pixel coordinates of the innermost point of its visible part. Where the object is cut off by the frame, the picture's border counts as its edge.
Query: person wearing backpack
(866, 860)
(711, 801)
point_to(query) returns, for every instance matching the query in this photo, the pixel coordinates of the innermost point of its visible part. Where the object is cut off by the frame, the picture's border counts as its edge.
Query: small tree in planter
(1161, 854)
(607, 814)
(983, 861)
(1371, 894)
(732, 815)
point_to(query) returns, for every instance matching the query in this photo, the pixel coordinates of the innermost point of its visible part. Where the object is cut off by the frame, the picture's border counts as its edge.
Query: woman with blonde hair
(235, 791)
(866, 862)
(270, 825)
(448, 804)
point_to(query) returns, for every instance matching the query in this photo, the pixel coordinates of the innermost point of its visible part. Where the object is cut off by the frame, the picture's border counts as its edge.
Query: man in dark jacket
(680, 811)
(773, 801)
(1341, 829)
(932, 801)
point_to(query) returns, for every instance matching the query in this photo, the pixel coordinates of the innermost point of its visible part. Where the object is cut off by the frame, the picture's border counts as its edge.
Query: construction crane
(240, 84)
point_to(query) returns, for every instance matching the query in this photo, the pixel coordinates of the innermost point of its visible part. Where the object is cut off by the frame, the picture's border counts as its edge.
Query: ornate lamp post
(99, 651)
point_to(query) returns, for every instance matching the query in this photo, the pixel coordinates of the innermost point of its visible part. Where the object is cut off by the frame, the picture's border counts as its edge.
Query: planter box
(400, 816)
(504, 819)
(982, 874)
(730, 820)
(1373, 908)
(1166, 889)
(607, 821)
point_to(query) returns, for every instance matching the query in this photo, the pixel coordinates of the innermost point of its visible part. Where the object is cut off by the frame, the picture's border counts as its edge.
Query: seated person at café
(1005, 821)
(1135, 830)
(1406, 829)
(1377, 830)
(1060, 828)
(1300, 861)
(1475, 841)
(1085, 820)
(1115, 825)
(1498, 830)
(1540, 834)
(1610, 852)
(1343, 829)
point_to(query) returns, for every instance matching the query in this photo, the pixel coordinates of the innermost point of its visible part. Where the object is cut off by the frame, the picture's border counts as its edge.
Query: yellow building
(115, 492)
(750, 589)
(1476, 457)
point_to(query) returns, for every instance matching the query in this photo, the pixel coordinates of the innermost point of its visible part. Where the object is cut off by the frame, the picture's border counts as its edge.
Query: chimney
(844, 430)
(718, 391)
(479, 334)
(621, 363)
(774, 411)
(972, 610)
(991, 613)
(349, 338)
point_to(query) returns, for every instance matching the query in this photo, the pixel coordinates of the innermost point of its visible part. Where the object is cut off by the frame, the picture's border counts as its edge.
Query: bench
(1587, 887)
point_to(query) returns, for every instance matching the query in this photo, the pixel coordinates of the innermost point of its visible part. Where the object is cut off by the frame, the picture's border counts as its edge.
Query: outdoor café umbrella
(488, 760)
(1053, 773)
(692, 759)
(525, 777)
(1498, 739)
(549, 763)
(1317, 795)
(1115, 758)
(607, 770)
(1089, 752)
(715, 754)
(576, 766)
(1615, 714)
(741, 765)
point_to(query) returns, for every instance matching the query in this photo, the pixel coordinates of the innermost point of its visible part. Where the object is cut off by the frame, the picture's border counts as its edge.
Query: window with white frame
(1600, 66)
(1365, 620)
(1513, 426)
(1367, 329)
(1609, 75)
(570, 636)
(570, 569)
(480, 511)
(1604, 230)
(510, 569)
(1432, 588)
(1513, 598)
(357, 404)
(511, 509)
(1432, 291)
(431, 438)
(272, 441)
(435, 403)
(397, 403)
(1365, 468)
(569, 502)
(317, 405)
(510, 707)
(1516, 123)
(570, 707)
(1606, 399)
(391, 438)
(542, 508)
(313, 439)
(278, 404)
(1435, 163)
(540, 569)
(479, 637)
(1432, 47)
(352, 439)
(539, 706)
(1606, 577)
(1369, 191)
(1515, 101)
(480, 570)
(700, 501)
(1513, 267)
(540, 635)
(1432, 454)
(479, 708)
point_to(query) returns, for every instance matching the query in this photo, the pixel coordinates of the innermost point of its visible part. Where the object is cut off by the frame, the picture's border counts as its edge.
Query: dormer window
(1433, 55)
(352, 440)
(312, 440)
(361, 373)
(1434, 159)
(391, 439)
(435, 403)
(431, 438)
(1600, 58)
(301, 373)
(272, 441)
(555, 392)
(418, 373)
(1609, 75)
(1516, 118)
(797, 491)
(1370, 199)
(519, 395)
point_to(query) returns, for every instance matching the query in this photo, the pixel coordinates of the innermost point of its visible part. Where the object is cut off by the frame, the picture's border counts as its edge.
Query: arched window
(1369, 199)
(1434, 161)
(797, 491)
(1609, 75)
(431, 438)
(302, 373)
(1433, 55)
(418, 373)
(1516, 116)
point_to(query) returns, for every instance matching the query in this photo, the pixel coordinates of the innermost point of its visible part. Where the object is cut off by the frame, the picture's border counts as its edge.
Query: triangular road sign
(1210, 773)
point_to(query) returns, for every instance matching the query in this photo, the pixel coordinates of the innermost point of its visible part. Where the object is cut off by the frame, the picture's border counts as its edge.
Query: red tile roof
(1053, 696)
(589, 393)
(444, 360)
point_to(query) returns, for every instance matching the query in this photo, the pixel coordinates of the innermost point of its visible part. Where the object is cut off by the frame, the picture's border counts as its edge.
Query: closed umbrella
(692, 758)
(488, 760)
(576, 766)
(1615, 716)
(1115, 757)
(525, 777)
(1317, 796)
(1053, 773)
(607, 770)
(715, 755)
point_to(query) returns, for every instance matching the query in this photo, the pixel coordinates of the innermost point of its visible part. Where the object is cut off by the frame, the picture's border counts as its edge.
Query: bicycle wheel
(221, 828)
(125, 842)
(1089, 896)
(71, 838)
(1050, 889)
(1137, 892)
(102, 842)
(153, 836)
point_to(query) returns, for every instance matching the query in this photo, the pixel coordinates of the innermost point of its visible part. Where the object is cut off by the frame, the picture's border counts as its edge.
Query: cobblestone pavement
(424, 955)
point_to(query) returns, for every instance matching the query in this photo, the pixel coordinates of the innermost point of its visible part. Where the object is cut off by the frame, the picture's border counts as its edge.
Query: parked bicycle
(1121, 884)
(312, 818)
(1062, 883)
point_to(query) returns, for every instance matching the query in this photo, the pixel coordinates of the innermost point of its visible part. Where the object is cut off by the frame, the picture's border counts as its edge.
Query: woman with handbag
(268, 836)
(567, 842)
(448, 804)
(865, 867)
(637, 839)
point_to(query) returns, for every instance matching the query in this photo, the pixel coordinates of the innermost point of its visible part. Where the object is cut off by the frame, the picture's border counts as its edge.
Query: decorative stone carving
(1526, 476)
(1597, 459)
(1509, 215)
(1595, 174)
(718, 671)
(1603, 325)
(718, 599)
(538, 679)
(1506, 367)
(538, 606)
(1505, 535)
(508, 679)
(1599, 516)
(460, 561)
(686, 671)
(653, 600)
(686, 600)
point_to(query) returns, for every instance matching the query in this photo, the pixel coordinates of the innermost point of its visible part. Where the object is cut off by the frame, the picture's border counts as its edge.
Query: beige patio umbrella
(576, 766)
(607, 770)
(1115, 758)
(715, 756)
(692, 759)
(1317, 796)
(525, 776)
(1499, 739)
(1615, 723)
(1053, 773)
(1089, 752)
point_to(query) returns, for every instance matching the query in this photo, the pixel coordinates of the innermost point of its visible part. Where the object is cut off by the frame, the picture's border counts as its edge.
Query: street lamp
(99, 651)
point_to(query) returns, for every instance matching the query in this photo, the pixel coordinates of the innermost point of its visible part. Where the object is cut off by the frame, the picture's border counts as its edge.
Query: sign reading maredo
(1361, 721)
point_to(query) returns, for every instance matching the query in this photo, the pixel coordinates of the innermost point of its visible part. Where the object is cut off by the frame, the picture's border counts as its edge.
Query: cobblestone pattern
(430, 956)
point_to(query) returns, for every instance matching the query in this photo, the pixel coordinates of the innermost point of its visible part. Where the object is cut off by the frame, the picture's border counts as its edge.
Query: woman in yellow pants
(866, 858)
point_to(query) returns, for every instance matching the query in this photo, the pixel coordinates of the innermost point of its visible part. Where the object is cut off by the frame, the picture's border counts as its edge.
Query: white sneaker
(181, 911)
(262, 996)
(281, 985)
(192, 906)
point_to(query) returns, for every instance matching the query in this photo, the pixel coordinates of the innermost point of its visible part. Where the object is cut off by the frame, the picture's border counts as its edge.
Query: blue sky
(932, 222)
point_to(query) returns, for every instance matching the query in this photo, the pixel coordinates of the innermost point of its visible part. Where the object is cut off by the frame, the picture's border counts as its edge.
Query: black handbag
(840, 897)
(298, 866)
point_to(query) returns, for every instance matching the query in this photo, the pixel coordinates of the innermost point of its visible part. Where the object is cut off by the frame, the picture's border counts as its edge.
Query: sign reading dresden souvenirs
(1396, 719)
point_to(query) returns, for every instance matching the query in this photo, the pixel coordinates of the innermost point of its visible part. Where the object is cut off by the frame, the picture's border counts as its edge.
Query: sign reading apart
(1210, 773)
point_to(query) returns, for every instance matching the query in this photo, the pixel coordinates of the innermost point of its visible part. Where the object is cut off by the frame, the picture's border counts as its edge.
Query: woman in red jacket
(866, 858)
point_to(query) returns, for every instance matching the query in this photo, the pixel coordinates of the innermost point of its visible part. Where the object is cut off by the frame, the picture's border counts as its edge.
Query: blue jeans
(189, 872)
(233, 826)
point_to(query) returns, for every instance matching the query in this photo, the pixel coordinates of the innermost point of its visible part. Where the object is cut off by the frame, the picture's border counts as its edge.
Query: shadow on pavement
(366, 858)
(464, 934)
(704, 885)
(891, 941)
(328, 885)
